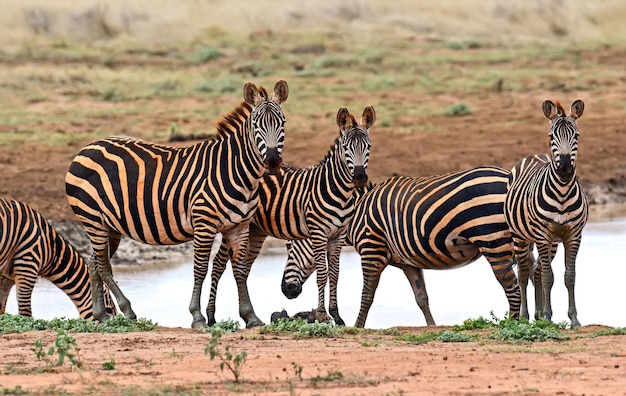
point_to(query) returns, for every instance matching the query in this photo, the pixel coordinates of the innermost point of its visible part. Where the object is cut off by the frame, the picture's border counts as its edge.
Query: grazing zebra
(301, 264)
(315, 202)
(546, 205)
(29, 248)
(164, 195)
(436, 222)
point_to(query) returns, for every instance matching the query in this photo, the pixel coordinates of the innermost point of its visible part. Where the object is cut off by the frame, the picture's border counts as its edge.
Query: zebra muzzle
(290, 290)
(360, 177)
(565, 170)
(273, 160)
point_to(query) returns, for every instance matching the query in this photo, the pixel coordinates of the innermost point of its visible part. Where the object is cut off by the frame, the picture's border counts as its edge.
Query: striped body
(315, 202)
(437, 222)
(546, 205)
(30, 248)
(168, 195)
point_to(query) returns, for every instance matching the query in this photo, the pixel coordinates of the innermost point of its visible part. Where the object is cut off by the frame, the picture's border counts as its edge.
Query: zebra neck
(341, 181)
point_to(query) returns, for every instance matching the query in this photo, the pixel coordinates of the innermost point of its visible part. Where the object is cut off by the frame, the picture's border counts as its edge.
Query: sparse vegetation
(64, 346)
(118, 324)
(229, 359)
(458, 109)
(300, 328)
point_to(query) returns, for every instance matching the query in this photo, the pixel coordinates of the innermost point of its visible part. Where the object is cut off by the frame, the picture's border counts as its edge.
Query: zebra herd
(236, 184)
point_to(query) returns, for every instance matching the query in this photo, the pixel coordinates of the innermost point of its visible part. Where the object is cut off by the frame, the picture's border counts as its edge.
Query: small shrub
(110, 365)
(420, 338)
(234, 363)
(208, 54)
(458, 109)
(65, 347)
(455, 336)
(522, 331)
(475, 324)
(228, 325)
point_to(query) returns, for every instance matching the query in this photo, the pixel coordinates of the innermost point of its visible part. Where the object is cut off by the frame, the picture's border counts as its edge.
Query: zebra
(30, 247)
(546, 205)
(314, 202)
(435, 222)
(164, 195)
(301, 264)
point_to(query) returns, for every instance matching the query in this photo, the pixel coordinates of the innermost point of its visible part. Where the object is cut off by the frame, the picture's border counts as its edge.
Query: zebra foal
(29, 248)
(315, 202)
(164, 195)
(546, 205)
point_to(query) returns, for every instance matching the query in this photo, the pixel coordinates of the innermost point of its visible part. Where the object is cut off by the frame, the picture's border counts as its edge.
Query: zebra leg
(547, 250)
(246, 245)
(415, 276)
(219, 265)
(502, 267)
(571, 251)
(372, 263)
(319, 242)
(537, 284)
(203, 238)
(24, 275)
(334, 252)
(6, 284)
(524, 266)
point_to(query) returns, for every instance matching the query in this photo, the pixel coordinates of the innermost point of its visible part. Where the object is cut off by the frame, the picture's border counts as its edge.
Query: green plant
(14, 391)
(475, 324)
(208, 54)
(64, 345)
(420, 338)
(109, 365)
(331, 376)
(228, 325)
(117, 324)
(455, 336)
(520, 331)
(458, 109)
(614, 331)
(233, 362)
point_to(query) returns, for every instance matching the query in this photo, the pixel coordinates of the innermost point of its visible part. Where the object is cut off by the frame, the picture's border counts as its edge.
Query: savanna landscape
(455, 84)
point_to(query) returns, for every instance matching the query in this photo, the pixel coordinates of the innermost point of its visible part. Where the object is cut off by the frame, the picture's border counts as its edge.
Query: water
(162, 293)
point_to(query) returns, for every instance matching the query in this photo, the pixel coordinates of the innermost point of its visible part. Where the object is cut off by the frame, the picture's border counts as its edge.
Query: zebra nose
(565, 169)
(273, 160)
(291, 290)
(360, 177)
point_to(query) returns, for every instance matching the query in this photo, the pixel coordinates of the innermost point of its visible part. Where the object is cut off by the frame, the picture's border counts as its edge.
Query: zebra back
(31, 247)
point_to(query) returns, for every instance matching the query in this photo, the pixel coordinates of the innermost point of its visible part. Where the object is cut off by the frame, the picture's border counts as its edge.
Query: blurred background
(168, 22)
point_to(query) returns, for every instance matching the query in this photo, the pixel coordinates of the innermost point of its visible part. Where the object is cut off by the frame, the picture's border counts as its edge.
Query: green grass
(118, 324)
(301, 329)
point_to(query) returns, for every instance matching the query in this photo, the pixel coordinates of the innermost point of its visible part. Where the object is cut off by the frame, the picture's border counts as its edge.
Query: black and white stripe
(168, 195)
(436, 222)
(30, 248)
(546, 205)
(314, 202)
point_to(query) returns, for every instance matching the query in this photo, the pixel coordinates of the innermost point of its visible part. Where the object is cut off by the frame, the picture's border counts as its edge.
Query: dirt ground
(503, 128)
(172, 361)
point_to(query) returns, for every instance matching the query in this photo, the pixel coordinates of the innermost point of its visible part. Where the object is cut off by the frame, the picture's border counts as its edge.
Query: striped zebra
(29, 248)
(164, 195)
(314, 202)
(301, 265)
(546, 205)
(436, 222)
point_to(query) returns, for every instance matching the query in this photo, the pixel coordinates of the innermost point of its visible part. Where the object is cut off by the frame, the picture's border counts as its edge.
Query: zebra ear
(250, 93)
(550, 110)
(369, 117)
(577, 109)
(344, 121)
(281, 92)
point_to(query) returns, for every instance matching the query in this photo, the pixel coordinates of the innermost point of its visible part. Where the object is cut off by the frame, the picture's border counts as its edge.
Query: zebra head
(267, 122)
(355, 142)
(563, 136)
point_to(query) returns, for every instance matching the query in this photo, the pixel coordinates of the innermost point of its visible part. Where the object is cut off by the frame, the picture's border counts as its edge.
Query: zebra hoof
(200, 324)
(254, 323)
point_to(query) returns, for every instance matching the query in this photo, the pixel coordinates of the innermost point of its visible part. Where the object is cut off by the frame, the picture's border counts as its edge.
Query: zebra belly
(458, 252)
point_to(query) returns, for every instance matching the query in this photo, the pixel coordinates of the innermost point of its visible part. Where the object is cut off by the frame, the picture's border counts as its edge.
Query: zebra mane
(560, 107)
(231, 123)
